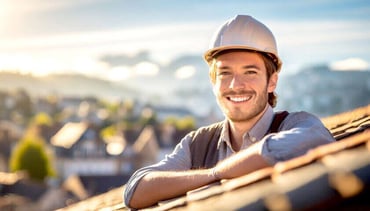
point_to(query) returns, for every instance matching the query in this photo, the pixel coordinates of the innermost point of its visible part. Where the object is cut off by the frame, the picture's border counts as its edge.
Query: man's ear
(273, 82)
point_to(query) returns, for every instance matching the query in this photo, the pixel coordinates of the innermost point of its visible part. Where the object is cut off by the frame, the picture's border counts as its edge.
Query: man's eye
(224, 73)
(251, 72)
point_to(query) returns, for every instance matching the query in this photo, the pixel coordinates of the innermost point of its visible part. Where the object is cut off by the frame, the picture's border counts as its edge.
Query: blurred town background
(92, 90)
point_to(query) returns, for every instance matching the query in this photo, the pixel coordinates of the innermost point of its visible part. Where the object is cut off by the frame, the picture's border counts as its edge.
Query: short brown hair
(270, 65)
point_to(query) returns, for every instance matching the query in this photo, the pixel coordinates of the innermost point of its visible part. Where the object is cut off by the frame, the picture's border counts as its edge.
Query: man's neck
(238, 129)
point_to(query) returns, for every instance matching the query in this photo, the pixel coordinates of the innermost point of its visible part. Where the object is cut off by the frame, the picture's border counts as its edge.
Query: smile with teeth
(239, 99)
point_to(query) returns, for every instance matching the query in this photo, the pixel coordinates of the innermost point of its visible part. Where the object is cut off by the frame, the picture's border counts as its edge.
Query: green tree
(42, 118)
(31, 156)
(109, 131)
(184, 123)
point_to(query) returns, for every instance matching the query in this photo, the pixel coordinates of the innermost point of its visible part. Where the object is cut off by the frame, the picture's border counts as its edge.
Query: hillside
(64, 84)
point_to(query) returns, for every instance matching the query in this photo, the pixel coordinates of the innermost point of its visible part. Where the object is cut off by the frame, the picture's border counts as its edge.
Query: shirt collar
(260, 129)
(257, 132)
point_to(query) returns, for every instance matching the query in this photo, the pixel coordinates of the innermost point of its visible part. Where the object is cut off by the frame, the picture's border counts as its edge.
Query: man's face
(241, 85)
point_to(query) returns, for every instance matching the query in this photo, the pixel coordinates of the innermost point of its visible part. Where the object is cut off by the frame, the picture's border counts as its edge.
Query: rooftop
(333, 176)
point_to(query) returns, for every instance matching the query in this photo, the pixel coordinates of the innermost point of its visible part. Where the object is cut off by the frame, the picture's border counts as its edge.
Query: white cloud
(146, 69)
(185, 72)
(76, 51)
(350, 64)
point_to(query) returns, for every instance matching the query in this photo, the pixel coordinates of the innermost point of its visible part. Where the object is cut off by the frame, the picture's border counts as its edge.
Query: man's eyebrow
(252, 66)
(223, 66)
(249, 66)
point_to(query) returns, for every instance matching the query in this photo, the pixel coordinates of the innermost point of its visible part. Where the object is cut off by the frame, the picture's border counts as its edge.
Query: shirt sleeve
(178, 160)
(299, 132)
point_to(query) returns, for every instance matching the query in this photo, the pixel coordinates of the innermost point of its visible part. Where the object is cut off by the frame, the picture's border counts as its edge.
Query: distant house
(80, 151)
(146, 148)
(76, 109)
(76, 140)
(46, 105)
(10, 133)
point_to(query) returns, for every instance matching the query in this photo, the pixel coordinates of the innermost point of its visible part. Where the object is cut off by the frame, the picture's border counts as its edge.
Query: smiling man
(241, 85)
(244, 66)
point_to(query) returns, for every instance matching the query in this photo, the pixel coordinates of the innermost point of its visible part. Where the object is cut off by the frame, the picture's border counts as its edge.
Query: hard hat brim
(212, 53)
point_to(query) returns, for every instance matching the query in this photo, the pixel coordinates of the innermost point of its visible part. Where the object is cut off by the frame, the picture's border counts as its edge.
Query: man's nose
(237, 82)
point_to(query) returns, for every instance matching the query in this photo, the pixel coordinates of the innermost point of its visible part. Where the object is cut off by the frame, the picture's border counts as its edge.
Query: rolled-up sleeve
(178, 160)
(299, 133)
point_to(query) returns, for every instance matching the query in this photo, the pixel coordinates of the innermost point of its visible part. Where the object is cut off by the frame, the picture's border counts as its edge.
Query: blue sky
(40, 36)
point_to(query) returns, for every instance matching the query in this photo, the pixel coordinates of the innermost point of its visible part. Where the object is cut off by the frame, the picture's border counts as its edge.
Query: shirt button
(253, 139)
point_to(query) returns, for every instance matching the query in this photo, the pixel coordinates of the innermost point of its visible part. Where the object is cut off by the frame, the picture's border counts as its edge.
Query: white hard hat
(243, 32)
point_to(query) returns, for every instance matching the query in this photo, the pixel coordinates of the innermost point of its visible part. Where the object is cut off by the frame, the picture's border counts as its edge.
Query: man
(244, 66)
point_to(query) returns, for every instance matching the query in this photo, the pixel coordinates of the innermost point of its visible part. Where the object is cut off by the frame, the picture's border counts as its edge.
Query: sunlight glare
(4, 13)
(29, 64)
(26, 64)
(119, 73)
(87, 65)
(115, 148)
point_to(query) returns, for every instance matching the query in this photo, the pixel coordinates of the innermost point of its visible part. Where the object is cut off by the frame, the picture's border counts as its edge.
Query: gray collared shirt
(299, 132)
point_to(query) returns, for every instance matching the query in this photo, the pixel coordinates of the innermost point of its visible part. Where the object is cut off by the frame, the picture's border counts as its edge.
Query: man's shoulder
(208, 129)
(302, 114)
(300, 117)
(212, 126)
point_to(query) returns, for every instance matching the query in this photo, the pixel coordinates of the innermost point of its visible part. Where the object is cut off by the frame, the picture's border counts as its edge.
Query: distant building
(146, 148)
(77, 140)
(80, 151)
(10, 133)
(324, 92)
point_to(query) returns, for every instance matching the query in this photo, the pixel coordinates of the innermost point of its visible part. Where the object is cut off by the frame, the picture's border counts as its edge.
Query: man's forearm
(161, 185)
(241, 163)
